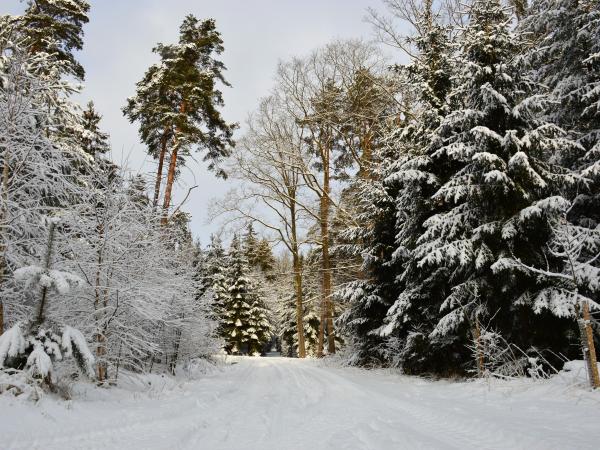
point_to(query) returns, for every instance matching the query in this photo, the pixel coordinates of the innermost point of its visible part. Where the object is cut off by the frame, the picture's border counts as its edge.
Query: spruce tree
(93, 140)
(259, 329)
(265, 259)
(395, 201)
(215, 276)
(239, 304)
(250, 244)
(411, 180)
(289, 330)
(564, 55)
(498, 198)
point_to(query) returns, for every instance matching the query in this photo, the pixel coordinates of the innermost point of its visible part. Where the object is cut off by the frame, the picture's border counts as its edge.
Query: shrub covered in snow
(26, 347)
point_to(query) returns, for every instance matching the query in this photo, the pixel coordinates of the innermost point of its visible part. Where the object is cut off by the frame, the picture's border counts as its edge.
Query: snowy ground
(277, 403)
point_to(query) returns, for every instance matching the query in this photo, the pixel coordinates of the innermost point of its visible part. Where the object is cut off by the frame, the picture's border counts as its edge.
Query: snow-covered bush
(34, 350)
(36, 345)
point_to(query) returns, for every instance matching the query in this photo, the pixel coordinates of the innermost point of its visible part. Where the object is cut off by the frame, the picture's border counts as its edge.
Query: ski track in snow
(279, 403)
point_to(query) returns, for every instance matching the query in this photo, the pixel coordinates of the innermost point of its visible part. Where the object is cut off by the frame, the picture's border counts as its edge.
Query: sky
(256, 35)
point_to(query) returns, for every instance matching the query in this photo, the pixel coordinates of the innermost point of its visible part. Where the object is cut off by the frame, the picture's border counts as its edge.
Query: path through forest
(278, 403)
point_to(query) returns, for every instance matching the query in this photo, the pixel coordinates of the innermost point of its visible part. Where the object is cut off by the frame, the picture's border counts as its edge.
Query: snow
(62, 281)
(551, 204)
(12, 342)
(39, 362)
(72, 337)
(278, 403)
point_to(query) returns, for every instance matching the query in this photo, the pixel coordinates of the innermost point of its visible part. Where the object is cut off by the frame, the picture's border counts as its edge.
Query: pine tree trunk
(159, 171)
(172, 169)
(47, 263)
(326, 303)
(366, 159)
(588, 347)
(3, 237)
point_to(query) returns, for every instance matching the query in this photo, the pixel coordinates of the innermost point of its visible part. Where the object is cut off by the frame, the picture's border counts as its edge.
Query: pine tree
(177, 102)
(152, 107)
(326, 105)
(55, 27)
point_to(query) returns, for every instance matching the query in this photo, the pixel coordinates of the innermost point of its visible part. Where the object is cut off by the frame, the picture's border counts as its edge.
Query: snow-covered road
(277, 403)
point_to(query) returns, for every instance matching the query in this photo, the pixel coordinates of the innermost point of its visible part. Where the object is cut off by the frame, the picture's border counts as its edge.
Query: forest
(425, 199)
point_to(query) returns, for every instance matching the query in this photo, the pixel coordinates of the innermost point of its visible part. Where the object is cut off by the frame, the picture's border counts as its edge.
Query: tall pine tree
(177, 103)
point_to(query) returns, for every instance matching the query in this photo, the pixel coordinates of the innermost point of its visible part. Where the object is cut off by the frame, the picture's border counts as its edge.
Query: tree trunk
(47, 263)
(587, 343)
(326, 303)
(118, 365)
(299, 307)
(366, 159)
(100, 353)
(3, 218)
(99, 310)
(478, 348)
(177, 345)
(297, 265)
(159, 171)
(172, 169)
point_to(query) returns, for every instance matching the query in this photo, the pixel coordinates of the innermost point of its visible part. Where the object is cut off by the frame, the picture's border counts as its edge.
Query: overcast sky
(256, 34)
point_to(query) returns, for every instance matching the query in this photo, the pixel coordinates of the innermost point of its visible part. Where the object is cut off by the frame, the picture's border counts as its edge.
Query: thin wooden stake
(588, 347)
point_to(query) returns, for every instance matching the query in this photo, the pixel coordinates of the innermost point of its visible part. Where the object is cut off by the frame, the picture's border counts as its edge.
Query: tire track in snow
(278, 403)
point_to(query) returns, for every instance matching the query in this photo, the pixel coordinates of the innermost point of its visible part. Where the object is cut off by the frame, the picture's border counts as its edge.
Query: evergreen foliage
(480, 171)
(289, 331)
(178, 99)
(93, 140)
(55, 27)
(245, 319)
